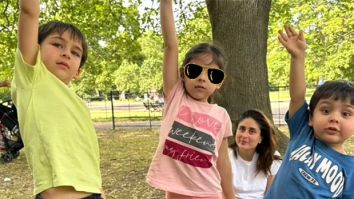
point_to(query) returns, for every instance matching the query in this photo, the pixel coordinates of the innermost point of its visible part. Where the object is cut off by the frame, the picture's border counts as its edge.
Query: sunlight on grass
(283, 95)
(127, 110)
(100, 115)
(125, 158)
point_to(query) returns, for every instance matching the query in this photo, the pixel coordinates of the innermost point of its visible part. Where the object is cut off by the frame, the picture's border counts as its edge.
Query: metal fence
(130, 110)
(127, 110)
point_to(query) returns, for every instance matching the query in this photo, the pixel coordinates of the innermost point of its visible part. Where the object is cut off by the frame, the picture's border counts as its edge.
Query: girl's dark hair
(266, 148)
(60, 27)
(202, 48)
(337, 90)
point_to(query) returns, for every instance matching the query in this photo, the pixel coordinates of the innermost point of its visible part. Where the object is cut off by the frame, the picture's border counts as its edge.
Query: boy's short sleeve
(298, 119)
(24, 72)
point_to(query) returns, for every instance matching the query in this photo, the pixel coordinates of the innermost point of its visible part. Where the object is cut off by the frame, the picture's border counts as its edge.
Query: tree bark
(240, 27)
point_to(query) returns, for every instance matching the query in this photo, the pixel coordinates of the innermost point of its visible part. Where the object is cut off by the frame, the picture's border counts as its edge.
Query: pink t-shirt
(190, 138)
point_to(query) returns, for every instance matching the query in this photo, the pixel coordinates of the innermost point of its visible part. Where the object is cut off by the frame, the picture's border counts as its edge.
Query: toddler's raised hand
(293, 41)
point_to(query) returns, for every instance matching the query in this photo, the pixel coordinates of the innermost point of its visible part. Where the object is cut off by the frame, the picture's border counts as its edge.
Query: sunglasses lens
(192, 71)
(216, 76)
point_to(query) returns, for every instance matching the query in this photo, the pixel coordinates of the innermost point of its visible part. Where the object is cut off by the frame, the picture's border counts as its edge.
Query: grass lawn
(283, 95)
(125, 158)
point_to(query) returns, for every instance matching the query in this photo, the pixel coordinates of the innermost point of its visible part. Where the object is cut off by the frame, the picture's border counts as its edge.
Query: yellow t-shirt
(60, 140)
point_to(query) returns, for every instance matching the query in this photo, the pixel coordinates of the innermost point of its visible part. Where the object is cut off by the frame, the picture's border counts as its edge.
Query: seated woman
(253, 156)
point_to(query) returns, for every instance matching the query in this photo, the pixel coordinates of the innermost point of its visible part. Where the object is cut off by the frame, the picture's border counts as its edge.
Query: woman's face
(248, 135)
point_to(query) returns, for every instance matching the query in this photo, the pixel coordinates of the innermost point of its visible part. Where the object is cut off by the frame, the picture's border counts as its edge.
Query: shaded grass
(124, 115)
(283, 94)
(125, 158)
(20, 185)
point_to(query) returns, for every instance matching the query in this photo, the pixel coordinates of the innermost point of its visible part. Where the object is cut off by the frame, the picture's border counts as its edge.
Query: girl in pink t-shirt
(191, 160)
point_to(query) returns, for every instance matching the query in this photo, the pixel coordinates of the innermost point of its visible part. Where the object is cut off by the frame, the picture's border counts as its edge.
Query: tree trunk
(240, 27)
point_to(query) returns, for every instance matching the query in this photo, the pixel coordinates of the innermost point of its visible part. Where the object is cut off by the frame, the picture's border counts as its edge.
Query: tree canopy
(328, 27)
(125, 45)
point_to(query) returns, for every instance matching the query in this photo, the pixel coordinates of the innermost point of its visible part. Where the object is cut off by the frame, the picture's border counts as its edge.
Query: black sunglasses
(215, 75)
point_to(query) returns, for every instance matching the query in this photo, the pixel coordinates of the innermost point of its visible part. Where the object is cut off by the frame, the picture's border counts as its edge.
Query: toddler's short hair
(337, 90)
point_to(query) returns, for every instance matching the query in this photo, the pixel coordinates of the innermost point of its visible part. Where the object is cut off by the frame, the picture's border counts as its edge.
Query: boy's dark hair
(337, 90)
(215, 51)
(60, 27)
(267, 147)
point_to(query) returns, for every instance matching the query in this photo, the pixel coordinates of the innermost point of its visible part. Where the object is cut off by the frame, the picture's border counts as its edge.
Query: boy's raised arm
(295, 44)
(170, 60)
(28, 29)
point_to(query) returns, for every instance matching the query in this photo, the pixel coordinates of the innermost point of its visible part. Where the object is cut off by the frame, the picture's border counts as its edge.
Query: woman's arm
(269, 182)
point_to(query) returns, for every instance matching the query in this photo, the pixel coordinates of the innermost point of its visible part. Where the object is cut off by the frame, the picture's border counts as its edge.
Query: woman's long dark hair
(266, 148)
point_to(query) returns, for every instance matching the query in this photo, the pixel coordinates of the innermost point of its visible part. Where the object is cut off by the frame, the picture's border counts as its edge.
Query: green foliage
(126, 77)
(150, 75)
(150, 71)
(329, 31)
(196, 30)
(121, 36)
(111, 27)
(8, 20)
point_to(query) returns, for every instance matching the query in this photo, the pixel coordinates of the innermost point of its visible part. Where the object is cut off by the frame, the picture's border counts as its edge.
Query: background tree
(329, 31)
(111, 27)
(241, 28)
(124, 31)
(126, 77)
(150, 73)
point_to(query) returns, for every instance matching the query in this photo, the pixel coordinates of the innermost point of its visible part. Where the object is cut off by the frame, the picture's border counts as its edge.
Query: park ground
(125, 158)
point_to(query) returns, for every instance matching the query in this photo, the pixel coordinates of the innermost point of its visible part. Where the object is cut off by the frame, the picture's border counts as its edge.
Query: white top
(246, 183)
